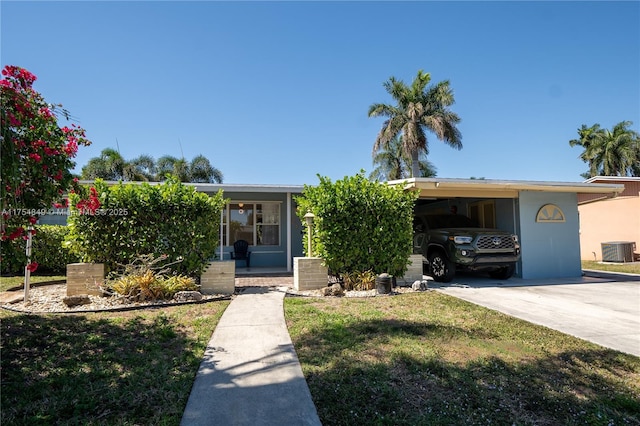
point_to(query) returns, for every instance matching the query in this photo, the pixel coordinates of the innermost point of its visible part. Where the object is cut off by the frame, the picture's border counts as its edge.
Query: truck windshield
(449, 221)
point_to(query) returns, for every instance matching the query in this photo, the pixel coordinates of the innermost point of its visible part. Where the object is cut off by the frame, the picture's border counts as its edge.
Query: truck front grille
(495, 242)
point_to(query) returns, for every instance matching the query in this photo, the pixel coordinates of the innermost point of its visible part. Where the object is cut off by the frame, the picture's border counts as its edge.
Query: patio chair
(241, 251)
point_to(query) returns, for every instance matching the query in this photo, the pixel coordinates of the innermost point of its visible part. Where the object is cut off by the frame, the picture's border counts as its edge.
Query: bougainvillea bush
(37, 156)
(116, 224)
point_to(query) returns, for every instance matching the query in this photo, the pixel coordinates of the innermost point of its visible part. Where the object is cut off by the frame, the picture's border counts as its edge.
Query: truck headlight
(462, 240)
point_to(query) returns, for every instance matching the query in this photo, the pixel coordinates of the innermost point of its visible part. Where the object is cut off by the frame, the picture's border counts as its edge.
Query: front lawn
(18, 281)
(428, 358)
(117, 368)
(628, 268)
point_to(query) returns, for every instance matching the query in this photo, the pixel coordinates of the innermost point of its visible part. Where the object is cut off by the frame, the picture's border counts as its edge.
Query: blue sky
(278, 92)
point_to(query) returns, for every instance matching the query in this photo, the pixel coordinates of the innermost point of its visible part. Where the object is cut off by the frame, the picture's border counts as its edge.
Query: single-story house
(543, 214)
(610, 227)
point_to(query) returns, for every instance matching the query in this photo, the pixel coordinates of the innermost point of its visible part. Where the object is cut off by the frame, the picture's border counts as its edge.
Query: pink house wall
(615, 219)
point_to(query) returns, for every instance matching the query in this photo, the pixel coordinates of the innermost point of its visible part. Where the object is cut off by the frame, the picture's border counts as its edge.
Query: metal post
(27, 271)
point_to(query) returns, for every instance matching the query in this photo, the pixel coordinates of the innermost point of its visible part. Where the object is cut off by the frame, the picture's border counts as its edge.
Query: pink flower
(35, 157)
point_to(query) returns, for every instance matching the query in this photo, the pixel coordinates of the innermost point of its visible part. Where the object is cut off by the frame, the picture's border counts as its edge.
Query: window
(484, 213)
(257, 223)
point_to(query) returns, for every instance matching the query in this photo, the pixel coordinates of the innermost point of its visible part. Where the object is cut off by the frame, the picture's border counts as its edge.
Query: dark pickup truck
(450, 242)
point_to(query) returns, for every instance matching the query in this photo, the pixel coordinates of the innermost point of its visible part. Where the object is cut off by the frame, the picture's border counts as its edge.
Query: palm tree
(419, 108)
(108, 166)
(393, 163)
(111, 166)
(198, 170)
(169, 164)
(613, 152)
(201, 170)
(141, 169)
(587, 136)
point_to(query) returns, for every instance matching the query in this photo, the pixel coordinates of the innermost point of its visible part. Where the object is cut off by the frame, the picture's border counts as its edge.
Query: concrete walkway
(250, 374)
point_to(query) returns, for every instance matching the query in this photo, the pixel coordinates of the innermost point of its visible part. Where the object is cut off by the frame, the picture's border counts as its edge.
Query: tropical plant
(419, 108)
(393, 163)
(614, 152)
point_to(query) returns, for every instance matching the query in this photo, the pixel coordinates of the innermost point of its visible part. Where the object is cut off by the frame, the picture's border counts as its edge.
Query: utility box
(618, 251)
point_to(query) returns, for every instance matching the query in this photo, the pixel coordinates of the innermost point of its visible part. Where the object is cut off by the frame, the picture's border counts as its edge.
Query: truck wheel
(503, 273)
(441, 268)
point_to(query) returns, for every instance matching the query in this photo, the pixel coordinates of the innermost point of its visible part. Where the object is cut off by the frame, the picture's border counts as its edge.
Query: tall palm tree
(393, 163)
(587, 136)
(419, 108)
(613, 152)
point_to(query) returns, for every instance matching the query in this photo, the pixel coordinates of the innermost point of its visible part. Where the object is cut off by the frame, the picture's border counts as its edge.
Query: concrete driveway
(601, 308)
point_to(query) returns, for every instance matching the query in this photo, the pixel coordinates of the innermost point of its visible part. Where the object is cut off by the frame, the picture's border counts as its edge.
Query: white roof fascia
(509, 185)
(226, 187)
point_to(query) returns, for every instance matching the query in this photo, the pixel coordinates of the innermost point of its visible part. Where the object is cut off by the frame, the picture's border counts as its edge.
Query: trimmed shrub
(47, 251)
(360, 225)
(168, 219)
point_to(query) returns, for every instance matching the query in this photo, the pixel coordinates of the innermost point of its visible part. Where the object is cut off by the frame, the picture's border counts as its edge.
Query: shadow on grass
(80, 370)
(390, 371)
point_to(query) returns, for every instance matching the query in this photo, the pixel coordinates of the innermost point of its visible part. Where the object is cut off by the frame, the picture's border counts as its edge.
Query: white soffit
(485, 188)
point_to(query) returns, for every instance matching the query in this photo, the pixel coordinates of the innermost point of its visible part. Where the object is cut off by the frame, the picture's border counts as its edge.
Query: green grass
(628, 268)
(118, 368)
(17, 281)
(427, 358)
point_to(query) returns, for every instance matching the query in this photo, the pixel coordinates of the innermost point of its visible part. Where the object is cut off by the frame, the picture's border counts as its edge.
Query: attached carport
(544, 215)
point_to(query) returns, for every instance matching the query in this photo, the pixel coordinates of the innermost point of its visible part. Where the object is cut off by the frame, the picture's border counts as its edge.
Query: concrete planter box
(309, 273)
(414, 271)
(85, 278)
(219, 278)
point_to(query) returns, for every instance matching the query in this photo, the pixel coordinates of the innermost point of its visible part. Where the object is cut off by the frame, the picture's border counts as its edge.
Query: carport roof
(487, 188)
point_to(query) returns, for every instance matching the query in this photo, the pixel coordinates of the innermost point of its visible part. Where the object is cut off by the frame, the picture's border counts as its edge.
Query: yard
(119, 368)
(417, 358)
(428, 358)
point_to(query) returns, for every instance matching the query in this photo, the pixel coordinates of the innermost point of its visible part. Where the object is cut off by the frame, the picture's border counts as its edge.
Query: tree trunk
(415, 165)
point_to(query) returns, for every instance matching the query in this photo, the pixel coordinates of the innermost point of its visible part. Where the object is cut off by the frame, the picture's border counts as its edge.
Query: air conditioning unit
(618, 251)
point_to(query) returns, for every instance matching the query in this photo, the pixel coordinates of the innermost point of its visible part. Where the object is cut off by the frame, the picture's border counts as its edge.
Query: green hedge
(46, 250)
(360, 225)
(136, 219)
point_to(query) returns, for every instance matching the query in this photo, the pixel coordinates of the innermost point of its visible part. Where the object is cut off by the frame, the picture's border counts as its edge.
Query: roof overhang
(486, 188)
(226, 187)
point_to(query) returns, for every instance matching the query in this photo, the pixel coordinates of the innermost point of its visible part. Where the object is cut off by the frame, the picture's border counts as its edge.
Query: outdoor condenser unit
(618, 251)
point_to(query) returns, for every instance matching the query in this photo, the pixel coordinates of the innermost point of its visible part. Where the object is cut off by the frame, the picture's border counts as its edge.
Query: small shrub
(359, 280)
(143, 280)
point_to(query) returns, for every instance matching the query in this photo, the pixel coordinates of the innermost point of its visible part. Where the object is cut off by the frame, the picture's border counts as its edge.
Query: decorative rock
(336, 290)
(419, 285)
(77, 300)
(188, 296)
